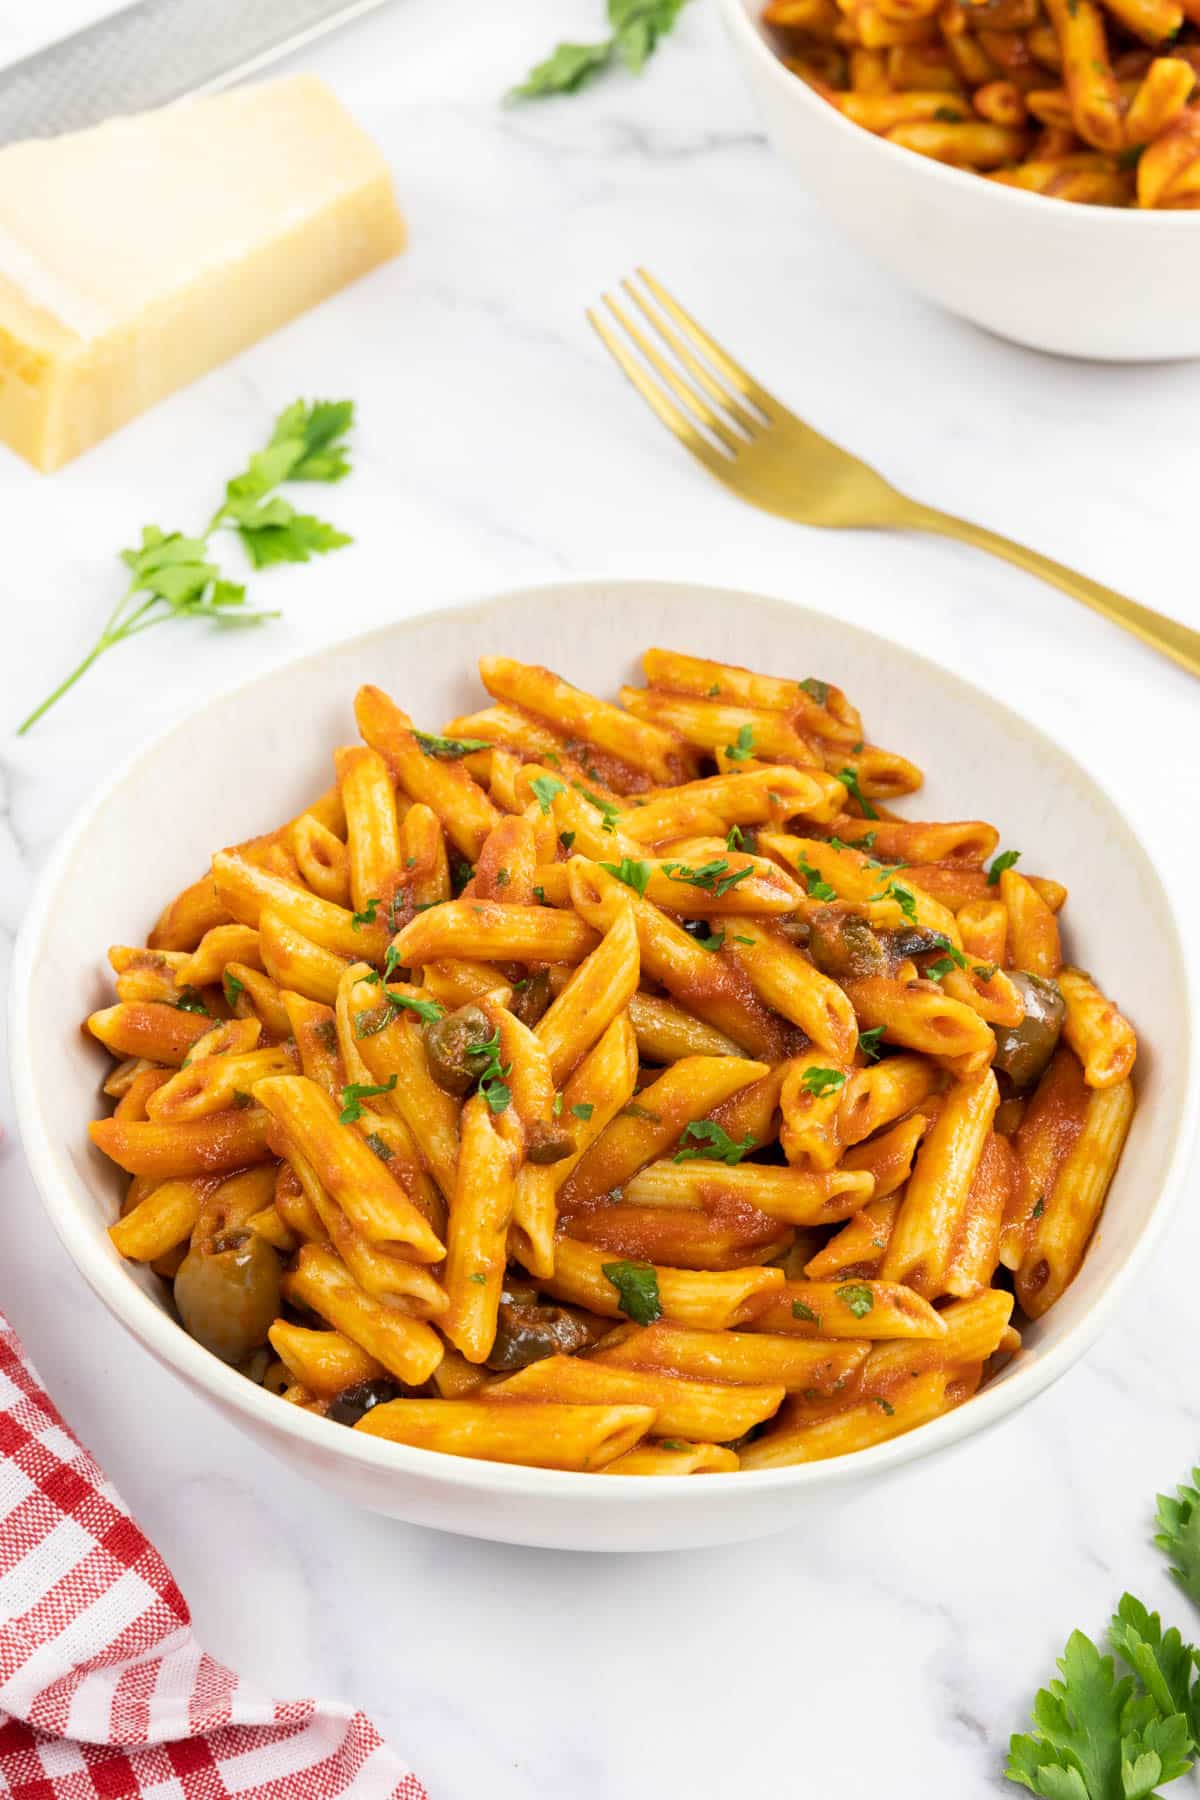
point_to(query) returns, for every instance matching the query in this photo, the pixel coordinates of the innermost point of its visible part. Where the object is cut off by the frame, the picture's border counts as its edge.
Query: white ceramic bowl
(253, 758)
(1087, 281)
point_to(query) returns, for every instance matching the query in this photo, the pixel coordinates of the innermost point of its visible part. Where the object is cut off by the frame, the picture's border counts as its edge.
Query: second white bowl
(1092, 281)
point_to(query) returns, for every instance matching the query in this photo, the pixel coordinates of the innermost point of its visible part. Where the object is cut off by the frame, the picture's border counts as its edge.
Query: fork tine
(720, 359)
(686, 396)
(666, 409)
(749, 421)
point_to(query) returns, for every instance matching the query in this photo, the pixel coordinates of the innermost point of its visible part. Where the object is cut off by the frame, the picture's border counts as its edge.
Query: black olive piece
(845, 946)
(1023, 1051)
(527, 1333)
(353, 1402)
(548, 1142)
(531, 997)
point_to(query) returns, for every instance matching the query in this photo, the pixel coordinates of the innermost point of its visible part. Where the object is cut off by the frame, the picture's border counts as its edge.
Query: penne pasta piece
(983, 926)
(856, 1251)
(160, 1221)
(795, 1196)
(718, 1299)
(480, 1211)
(913, 841)
(689, 1090)
(147, 974)
(294, 962)
(305, 1117)
(889, 1156)
(918, 1015)
(601, 1085)
(665, 1032)
(878, 1095)
(223, 945)
(536, 1432)
(797, 1438)
(725, 1235)
(210, 1084)
(1061, 1233)
(671, 1456)
(853, 1310)
(791, 1362)
(407, 1348)
(601, 987)
(149, 1029)
(1101, 1038)
(322, 859)
(443, 785)
(246, 890)
(644, 747)
(935, 1200)
(810, 1099)
(700, 979)
(392, 1054)
(409, 1286)
(975, 1253)
(489, 931)
(506, 866)
(372, 827)
(212, 1146)
(788, 982)
(258, 998)
(324, 1362)
(822, 708)
(1033, 942)
(691, 1408)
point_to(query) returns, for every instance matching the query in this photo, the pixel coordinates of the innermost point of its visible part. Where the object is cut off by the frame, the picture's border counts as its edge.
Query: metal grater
(156, 51)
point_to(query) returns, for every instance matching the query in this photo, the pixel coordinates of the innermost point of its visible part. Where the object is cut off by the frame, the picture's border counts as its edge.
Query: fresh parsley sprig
(172, 575)
(636, 25)
(711, 1143)
(1179, 1536)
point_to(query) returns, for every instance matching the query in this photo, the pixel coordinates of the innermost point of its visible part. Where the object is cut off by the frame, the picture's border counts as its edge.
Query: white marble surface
(890, 1648)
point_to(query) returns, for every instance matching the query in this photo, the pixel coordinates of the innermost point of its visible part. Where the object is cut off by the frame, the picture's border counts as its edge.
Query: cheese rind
(139, 255)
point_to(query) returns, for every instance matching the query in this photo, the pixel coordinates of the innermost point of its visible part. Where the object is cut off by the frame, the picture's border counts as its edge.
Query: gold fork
(751, 442)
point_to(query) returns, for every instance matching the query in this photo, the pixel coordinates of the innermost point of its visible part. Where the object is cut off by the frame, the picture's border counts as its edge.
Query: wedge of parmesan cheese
(138, 255)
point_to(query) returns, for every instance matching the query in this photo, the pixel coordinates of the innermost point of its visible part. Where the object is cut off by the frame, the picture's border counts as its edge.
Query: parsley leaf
(1179, 1535)
(545, 787)
(868, 1042)
(191, 1000)
(635, 875)
(610, 812)
(171, 575)
(366, 916)
(902, 896)
(998, 864)
(717, 1145)
(817, 889)
(849, 780)
(743, 750)
(801, 1311)
(493, 1083)
(714, 877)
(734, 838)
(857, 1296)
(637, 26)
(232, 987)
(448, 749)
(583, 1109)
(822, 1081)
(355, 1092)
(637, 1290)
(816, 690)
(707, 940)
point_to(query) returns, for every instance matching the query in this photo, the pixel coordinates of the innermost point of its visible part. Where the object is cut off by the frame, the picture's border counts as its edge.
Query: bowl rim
(106, 1273)
(745, 31)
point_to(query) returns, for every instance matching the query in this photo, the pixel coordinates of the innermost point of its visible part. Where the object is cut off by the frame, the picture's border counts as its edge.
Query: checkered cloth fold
(104, 1692)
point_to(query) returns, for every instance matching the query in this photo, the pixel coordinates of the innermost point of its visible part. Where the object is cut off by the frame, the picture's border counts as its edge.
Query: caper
(548, 1142)
(453, 1046)
(227, 1293)
(531, 997)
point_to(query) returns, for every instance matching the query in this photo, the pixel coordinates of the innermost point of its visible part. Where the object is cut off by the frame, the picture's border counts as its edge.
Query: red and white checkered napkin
(104, 1692)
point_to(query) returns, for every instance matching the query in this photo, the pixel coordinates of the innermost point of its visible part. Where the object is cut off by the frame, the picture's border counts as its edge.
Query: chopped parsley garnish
(816, 690)
(493, 1082)
(1039, 1208)
(191, 1000)
(707, 940)
(714, 690)
(822, 1081)
(635, 875)
(901, 895)
(232, 987)
(610, 812)
(743, 749)
(849, 780)
(673, 1444)
(479, 1278)
(868, 1042)
(545, 787)
(566, 839)
(817, 889)
(734, 838)
(857, 1296)
(391, 962)
(715, 877)
(367, 915)
(502, 877)
(736, 939)
(713, 1143)
(998, 864)
(637, 1290)
(355, 1092)
(556, 1109)
(447, 749)
(886, 1405)
(801, 1311)
(634, 1111)
(583, 1109)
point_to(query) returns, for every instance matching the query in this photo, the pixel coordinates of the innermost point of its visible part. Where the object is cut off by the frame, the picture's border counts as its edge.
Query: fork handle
(1174, 639)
